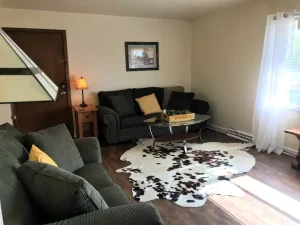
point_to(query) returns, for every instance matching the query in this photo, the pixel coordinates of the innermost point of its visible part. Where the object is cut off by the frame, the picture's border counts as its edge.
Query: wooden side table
(296, 161)
(85, 115)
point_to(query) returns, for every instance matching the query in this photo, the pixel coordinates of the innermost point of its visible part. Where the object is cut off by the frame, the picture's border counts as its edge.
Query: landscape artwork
(141, 56)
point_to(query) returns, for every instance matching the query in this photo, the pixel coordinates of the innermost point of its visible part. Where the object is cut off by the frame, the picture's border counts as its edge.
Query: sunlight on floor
(262, 205)
(269, 195)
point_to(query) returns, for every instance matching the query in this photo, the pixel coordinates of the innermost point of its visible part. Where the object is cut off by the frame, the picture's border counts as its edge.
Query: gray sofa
(18, 208)
(114, 129)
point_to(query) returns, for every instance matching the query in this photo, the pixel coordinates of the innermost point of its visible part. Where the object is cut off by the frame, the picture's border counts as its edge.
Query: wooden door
(48, 49)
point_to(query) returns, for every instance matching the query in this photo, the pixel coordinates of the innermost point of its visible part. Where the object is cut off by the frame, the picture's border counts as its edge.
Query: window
(294, 67)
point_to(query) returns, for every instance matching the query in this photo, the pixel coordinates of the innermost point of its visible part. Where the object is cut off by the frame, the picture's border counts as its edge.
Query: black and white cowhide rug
(185, 179)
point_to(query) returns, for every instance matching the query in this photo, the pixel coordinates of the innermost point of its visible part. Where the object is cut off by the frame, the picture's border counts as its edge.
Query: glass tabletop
(162, 123)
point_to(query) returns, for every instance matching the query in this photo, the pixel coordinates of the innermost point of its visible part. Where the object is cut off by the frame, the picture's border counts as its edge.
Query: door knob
(62, 93)
(63, 89)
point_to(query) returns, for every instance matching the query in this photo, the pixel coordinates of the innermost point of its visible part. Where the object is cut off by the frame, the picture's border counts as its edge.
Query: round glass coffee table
(157, 122)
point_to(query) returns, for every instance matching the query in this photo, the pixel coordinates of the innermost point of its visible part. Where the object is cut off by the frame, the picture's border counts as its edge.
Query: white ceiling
(173, 9)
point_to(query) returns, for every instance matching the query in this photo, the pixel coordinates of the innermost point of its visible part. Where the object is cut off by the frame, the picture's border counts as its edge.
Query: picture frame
(142, 56)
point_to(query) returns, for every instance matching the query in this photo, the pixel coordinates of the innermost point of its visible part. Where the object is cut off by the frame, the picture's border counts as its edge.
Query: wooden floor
(272, 170)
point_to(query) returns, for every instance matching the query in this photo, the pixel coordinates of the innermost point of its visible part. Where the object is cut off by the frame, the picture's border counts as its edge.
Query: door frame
(68, 84)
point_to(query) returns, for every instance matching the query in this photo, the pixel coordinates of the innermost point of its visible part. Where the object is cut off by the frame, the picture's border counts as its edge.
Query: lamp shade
(21, 80)
(81, 83)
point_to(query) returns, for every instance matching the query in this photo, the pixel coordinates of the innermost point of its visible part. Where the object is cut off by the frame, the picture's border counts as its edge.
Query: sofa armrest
(89, 149)
(136, 214)
(200, 107)
(108, 124)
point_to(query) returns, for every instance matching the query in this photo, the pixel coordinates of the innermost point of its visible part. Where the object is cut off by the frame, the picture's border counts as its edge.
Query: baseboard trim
(228, 132)
(290, 151)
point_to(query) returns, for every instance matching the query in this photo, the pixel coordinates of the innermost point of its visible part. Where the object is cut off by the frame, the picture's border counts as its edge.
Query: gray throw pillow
(57, 193)
(10, 140)
(59, 145)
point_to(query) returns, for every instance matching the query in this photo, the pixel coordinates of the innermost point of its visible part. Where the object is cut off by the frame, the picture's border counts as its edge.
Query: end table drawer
(87, 117)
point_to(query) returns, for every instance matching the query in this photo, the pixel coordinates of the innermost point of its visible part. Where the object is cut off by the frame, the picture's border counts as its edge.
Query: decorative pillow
(57, 193)
(120, 104)
(39, 156)
(149, 104)
(58, 144)
(141, 92)
(10, 140)
(181, 100)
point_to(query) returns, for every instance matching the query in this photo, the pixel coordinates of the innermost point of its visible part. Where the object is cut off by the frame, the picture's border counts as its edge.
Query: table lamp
(81, 85)
(21, 80)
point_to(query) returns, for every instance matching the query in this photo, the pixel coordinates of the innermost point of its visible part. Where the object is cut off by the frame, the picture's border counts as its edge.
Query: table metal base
(184, 141)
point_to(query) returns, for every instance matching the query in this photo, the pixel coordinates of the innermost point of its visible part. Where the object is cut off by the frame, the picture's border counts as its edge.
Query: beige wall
(227, 48)
(226, 57)
(96, 49)
(5, 114)
(284, 5)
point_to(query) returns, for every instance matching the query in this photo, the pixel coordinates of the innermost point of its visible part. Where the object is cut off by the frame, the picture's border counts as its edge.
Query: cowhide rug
(185, 179)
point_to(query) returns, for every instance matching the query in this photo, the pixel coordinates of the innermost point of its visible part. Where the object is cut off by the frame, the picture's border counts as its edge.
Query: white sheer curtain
(272, 94)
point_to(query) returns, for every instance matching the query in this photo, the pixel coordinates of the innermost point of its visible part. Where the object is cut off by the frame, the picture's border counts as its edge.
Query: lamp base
(83, 105)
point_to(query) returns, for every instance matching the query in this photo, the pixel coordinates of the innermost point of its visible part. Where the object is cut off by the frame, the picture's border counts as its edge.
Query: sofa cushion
(120, 104)
(181, 100)
(141, 92)
(136, 121)
(95, 174)
(149, 104)
(57, 193)
(10, 140)
(127, 93)
(15, 203)
(58, 144)
(114, 196)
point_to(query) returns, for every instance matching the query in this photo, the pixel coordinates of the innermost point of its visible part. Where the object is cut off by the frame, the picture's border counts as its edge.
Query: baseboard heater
(231, 132)
(244, 136)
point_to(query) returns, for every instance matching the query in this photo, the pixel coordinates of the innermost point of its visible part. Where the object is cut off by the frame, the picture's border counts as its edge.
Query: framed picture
(141, 56)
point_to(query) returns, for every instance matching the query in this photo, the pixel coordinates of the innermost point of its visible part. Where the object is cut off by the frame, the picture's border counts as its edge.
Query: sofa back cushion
(141, 92)
(10, 140)
(57, 193)
(15, 203)
(58, 144)
(104, 100)
(120, 104)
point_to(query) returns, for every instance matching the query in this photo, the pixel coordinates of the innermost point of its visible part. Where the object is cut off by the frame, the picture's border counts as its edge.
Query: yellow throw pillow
(149, 104)
(39, 156)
